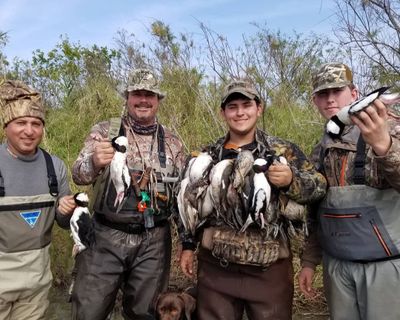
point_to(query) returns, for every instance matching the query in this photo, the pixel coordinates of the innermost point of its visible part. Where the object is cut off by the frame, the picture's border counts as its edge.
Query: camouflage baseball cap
(144, 79)
(19, 100)
(239, 86)
(331, 75)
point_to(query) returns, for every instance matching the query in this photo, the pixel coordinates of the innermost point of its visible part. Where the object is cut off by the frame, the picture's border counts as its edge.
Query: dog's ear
(190, 304)
(156, 300)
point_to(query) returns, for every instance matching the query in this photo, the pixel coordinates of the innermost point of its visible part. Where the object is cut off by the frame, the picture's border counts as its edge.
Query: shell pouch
(360, 223)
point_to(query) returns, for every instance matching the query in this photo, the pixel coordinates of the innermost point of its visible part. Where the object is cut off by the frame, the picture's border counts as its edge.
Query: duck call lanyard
(148, 204)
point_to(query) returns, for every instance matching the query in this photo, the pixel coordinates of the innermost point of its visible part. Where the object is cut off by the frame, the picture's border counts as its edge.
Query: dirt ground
(303, 309)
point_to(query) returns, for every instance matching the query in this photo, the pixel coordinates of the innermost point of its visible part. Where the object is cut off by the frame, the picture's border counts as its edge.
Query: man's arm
(311, 255)
(96, 153)
(65, 203)
(308, 185)
(381, 131)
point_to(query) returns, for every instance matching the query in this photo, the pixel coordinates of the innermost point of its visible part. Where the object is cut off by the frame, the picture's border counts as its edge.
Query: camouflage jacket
(335, 159)
(307, 186)
(142, 150)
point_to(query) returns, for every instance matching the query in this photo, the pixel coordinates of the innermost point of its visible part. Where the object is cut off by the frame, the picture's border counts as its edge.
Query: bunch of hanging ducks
(236, 191)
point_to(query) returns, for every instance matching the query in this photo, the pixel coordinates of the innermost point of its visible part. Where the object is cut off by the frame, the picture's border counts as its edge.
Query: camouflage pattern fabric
(19, 100)
(331, 75)
(248, 248)
(243, 87)
(381, 172)
(144, 79)
(139, 153)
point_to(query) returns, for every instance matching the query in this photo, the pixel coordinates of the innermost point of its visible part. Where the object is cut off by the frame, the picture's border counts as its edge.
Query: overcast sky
(38, 24)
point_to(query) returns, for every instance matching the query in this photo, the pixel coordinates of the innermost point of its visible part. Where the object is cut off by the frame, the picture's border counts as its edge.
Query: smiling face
(24, 135)
(241, 116)
(330, 101)
(143, 106)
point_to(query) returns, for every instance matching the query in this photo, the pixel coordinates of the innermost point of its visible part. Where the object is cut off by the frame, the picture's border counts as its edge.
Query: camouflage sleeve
(308, 185)
(390, 164)
(64, 189)
(83, 171)
(186, 238)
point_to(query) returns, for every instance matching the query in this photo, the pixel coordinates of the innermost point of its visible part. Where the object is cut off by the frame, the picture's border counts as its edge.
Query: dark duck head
(120, 143)
(81, 199)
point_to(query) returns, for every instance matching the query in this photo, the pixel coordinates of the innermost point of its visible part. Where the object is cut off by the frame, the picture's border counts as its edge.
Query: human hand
(186, 263)
(372, 122)
(305, 282)
(280, 175)
(103, 153)
(66, 205)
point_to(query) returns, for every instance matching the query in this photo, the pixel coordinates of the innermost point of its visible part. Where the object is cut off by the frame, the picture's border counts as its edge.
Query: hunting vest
(26, 221)
(357, 222)
(104, 190)
(254, 246)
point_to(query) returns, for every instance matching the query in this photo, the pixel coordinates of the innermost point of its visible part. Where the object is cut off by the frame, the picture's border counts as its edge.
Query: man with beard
(132, 250)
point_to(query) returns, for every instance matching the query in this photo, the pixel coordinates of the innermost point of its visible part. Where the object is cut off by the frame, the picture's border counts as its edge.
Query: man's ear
(190, 304)
(355, 94)
(260, 109)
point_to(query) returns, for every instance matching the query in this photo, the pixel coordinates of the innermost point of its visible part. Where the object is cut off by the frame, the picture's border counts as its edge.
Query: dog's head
(174, 306)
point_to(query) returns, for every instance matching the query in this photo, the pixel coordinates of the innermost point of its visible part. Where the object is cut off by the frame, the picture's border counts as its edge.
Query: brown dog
(175, 306)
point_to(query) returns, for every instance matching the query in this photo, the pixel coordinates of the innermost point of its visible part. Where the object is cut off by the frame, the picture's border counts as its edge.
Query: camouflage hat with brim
(242, 87)
(143, 79)
(19, 100)
(331, 75)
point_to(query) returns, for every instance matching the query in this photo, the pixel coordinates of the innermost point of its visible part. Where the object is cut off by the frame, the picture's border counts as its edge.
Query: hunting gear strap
(359, 162)
(51, 174)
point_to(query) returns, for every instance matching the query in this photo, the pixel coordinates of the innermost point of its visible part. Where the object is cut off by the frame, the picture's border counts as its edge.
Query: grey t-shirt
(27, 176)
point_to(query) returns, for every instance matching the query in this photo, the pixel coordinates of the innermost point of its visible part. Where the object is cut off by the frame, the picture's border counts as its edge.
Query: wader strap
(359, 162)
(161, 147)
(2, 192)
(51, 174)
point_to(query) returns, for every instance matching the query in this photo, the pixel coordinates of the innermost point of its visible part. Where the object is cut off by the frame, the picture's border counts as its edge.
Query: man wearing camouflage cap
(358, 221)
(34, 192)
(253, 270)
(133, 246)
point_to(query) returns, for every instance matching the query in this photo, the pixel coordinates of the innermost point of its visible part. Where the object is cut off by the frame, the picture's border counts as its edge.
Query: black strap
(359, 162)
(131, 228)
(2, 192)
(51, 174)
(121, 130)
(161, 146)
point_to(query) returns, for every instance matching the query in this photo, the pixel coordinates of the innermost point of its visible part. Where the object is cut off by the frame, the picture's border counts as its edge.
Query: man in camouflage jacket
(133, 244)
(359, 282)
(262, 282)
